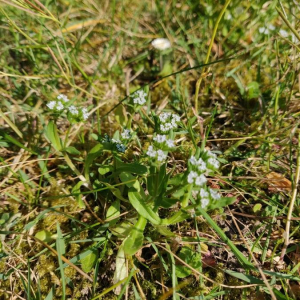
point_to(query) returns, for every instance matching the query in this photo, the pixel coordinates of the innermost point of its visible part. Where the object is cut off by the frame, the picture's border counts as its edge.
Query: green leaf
(166, 70)
(44, 236)
(92, 155)
(244, 277)
(9, 138)
(125, 177)
(257, 207)
(136, 237)
(191, 258)
(105, 169)
(167, 202)
(223, 201)
(135, 167)
(52, 135)
(122, 230)
(88, 262)
(121, 115)
(176, 218)
(157, 181)
(113, 212)
(253, 90)
(60, 242)
(164, 231)
(77, 192)
(50, 295)
(61, 248)
(121, 268)
(142, 208)
(72, 150)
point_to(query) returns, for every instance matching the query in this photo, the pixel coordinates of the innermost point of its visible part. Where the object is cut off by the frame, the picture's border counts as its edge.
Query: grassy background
(97, 53)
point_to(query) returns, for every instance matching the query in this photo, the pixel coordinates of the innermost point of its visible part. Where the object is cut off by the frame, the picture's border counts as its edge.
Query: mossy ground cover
(98, 200)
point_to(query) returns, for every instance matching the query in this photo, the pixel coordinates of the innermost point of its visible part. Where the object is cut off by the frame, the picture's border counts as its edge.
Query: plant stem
(292, 203)
(74, 169)
(286, 21)
(208, 53)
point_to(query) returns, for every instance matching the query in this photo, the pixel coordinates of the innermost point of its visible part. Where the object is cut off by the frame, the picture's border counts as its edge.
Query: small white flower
(204, 202)
(193, 160)
(214, 162)
(263, 30)
(271, 27)
(283, 33)
(228, 17)
(51, 104)
(126, 135)
(139, 97)
(176, 118)
(73, 110)
(201, 165)
(115, 141)
(170, 143)
(200, 180)
(63, 97)
(161, 44)
(164, 116)
(203, 193)
(85, 113)
(161, 155)
(59, 106)
(192, 175)
(165, 127)
(211, 154)
(160, 138)
(214, 194)
(151, 152)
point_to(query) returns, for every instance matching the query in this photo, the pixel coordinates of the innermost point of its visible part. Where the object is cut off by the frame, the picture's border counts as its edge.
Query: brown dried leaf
(277, 181)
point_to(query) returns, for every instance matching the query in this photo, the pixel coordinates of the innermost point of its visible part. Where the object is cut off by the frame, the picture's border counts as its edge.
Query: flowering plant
(150, 187)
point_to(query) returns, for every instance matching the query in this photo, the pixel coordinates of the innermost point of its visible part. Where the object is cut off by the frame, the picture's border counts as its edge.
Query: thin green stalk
(286, 21)
(208, 53)
(74, 169)
(243, 260)
(66, 138)
(292, 204)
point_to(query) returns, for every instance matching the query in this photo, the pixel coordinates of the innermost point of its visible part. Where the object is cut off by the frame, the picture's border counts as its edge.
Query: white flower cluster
(73, 110)
(207, 196)
(199, 164)
(157, 154)
(212, 162)
(163, 139)
(58, 104)
(126, 134)
(79, 114)
(214, 194)
(168, 121)
(139, 97)
(197, 179)
(207, 162)
(63, 97)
